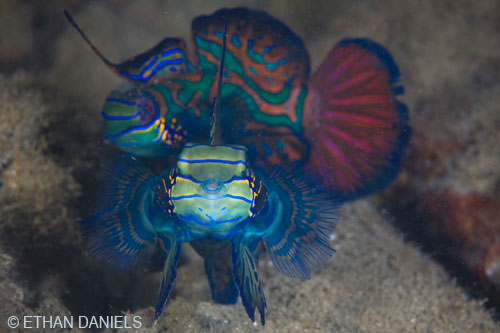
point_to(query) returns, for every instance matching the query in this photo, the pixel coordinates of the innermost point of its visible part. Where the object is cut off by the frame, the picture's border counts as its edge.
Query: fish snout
(212, 186)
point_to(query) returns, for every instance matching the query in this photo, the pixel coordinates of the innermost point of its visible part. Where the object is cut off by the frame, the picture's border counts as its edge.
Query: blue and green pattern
(266, 69)
(248, 127)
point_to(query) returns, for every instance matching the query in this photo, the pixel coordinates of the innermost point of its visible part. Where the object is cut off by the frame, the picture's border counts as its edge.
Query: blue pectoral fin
(119, 181)
(218, 267)
(119, 240)
(170, 248)
(299, 221)
(121, 236)
(247, 279)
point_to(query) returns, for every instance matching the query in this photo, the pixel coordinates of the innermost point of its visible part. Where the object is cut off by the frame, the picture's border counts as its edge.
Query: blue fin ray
(121, 236)
(215, 113)
(119, 179)
(119, 240)
(247, 279)
(300, 221)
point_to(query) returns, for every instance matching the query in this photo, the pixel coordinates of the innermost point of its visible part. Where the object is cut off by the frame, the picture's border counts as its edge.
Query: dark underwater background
(421, 256)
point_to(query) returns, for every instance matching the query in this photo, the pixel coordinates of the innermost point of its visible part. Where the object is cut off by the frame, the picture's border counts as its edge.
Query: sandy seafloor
(51, 90)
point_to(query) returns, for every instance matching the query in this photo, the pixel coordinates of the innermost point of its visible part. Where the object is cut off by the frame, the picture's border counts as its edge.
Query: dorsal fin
(215, 114)
(165, 59)
(87, 40)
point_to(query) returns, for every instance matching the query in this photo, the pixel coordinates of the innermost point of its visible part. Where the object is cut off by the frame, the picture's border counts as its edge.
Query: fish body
(213, 199)
(285, 149)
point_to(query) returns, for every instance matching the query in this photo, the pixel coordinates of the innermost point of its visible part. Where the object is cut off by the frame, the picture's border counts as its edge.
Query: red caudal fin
(356, 127)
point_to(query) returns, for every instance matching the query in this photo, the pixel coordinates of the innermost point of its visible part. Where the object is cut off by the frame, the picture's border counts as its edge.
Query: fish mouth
(212, 186)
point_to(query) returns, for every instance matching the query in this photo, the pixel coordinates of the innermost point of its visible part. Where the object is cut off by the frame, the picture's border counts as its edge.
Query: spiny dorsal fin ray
(215, 115)
(166, 58)
(87, 40)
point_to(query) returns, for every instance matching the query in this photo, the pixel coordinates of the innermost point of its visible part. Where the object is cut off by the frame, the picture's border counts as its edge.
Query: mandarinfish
(265, 153)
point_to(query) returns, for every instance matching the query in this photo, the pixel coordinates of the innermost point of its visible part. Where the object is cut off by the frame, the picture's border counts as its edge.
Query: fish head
(212, 190)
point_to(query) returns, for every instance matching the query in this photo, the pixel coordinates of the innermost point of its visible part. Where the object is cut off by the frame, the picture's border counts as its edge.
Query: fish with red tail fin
(284, 150)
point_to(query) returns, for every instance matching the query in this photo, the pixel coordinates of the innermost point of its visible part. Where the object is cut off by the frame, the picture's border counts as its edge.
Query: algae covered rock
(34, 195)
(35, 189)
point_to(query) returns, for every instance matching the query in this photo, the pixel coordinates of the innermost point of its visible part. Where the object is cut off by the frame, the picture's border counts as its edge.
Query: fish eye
(146, 108)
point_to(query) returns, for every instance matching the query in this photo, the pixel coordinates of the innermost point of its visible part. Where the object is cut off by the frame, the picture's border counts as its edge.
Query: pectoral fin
(121, 236)
(300, 223)
(170, 248)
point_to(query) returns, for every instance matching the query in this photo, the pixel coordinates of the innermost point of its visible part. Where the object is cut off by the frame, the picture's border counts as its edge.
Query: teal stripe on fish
(258, 58)
(230, 89)
(233, 179)
(206, 145)
(173, 108)
(233, 65)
